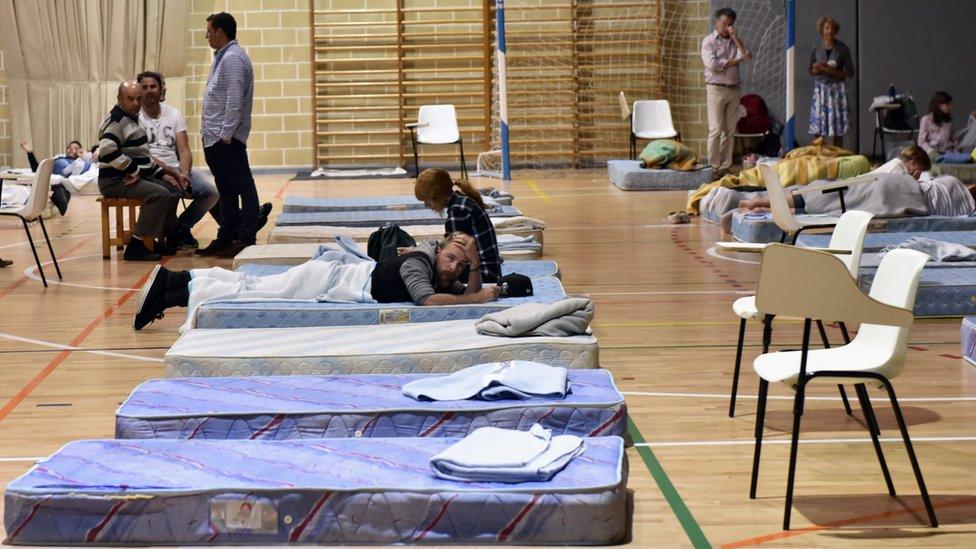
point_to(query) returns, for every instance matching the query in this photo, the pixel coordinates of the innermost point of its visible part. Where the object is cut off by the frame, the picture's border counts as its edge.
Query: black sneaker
(263, 215)
(136, 251)
(162, 248)
(212, 249)
(150, 295)
(187, 241)
(5, 263)
(60, 198)
(231, 251)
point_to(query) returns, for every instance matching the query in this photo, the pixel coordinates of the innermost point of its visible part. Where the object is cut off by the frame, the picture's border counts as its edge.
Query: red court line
(843, 522)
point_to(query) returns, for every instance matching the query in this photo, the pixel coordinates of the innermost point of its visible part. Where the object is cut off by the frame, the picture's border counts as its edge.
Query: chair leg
(760, 424)
(911, 453)
(794, 447)
(37, 259)
(840, 387)
(50, 249)
(872, 422)
(738, 364)
(416, 158)
(843, 332)
(464, 168)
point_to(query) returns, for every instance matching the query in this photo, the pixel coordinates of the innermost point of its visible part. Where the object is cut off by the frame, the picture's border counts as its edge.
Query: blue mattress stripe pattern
(312, 491)
(295, 314)
(360, 406)
(377, 217)
(760, 227)
(968, 339)
(530, 268)
(941, 292)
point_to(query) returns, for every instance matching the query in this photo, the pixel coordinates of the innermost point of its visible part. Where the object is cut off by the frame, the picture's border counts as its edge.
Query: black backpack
(383, 243)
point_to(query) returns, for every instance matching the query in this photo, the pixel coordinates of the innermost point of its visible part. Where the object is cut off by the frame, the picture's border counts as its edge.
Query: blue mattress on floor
(294, 314)
(294, 204)
(760, 227)
(630, 175)
(874, 242)
(378, 217)
(531, 269)
(357, 406)
(968, 339)
(941, 292)
(357, 491)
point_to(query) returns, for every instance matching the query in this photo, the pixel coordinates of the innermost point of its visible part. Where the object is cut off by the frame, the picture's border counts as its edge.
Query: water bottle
(891, 91)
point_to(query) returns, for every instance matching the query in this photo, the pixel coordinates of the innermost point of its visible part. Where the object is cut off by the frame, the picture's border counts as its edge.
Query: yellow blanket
(818, 148)
(795, 171)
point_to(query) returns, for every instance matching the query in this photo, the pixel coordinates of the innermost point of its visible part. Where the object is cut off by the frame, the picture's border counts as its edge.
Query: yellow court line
(538, 191)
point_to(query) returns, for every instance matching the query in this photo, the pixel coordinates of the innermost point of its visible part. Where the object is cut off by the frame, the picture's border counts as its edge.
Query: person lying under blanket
(896, 193)
(427, 275)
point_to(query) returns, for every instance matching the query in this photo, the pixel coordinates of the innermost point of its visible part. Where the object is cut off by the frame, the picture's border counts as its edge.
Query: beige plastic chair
(784, 218)
(848, 235)
(33, 210)
(876, 355)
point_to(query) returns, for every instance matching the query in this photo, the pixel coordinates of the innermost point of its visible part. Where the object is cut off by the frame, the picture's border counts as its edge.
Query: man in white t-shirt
(170, 147)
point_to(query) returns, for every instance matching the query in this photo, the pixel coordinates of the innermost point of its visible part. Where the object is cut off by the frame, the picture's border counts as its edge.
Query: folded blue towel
(955, 158)
(513, 380)
(490, 454)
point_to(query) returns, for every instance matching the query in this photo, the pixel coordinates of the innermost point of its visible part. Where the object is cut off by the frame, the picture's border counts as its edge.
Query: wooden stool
(122, 231)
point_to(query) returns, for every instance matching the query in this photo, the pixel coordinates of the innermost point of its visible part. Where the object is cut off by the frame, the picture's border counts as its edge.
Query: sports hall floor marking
(714, 253)
(670, 493)
(711, 266)
(17, 283)
(538, 191)
(785, 441)
(18, 244)
(725, 396)
(19, 459)
(53, 345)
(676, 292)
(31, 272)
(863, 519)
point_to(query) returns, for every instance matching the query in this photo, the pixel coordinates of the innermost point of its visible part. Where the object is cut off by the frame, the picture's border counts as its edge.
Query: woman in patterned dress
(830, 65)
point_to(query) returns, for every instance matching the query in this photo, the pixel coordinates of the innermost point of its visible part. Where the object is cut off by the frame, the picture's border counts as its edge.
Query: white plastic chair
(876, 355)
(651, 120)
(436, 125)
(791, 225)
(848, 235)
(33, 210)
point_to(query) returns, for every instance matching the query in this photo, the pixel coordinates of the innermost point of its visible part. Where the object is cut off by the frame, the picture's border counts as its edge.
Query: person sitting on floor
(75, 161)
(169, 145)
(425, 276)
(904, 190)
(126, 170)
(465, 213)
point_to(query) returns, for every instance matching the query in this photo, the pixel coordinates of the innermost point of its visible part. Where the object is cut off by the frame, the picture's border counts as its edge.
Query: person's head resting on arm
(915, 160)
(434, 187)
(453, 255)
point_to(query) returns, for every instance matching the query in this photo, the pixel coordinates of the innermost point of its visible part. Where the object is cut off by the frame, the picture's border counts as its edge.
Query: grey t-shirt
(418, 274)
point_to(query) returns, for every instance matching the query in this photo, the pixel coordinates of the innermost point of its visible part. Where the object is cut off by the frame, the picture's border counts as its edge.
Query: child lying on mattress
(903, 188)
(428, 275)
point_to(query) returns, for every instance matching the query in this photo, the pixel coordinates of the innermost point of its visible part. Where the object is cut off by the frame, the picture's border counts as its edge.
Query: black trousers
(238, 203)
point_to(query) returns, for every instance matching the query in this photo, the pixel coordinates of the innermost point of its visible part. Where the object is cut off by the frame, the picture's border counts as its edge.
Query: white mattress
(297, 253)
(380, 349)
(518, 226)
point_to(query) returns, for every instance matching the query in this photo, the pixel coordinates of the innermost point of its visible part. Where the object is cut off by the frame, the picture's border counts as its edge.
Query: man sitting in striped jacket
(126, 170)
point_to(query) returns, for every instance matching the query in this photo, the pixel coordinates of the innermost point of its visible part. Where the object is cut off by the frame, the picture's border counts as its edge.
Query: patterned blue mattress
(356, 491)
(968, 339)
(532, 268)
(359, 406)
(760, 227)
(873, 242)
(630, 175)
(295, 314)
(382, 349)
(377, 218)
(941, 292)
(294, 204)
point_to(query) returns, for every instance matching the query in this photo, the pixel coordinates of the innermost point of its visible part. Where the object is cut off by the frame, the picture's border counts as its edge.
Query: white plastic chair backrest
(438, 125)
(849, 235)
(782, 216)
(895, 283)
(37, 199)
(653, 116)
(624, 107)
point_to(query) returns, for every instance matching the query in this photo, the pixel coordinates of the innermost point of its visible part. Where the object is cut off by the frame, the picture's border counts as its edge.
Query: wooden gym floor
(68, 358)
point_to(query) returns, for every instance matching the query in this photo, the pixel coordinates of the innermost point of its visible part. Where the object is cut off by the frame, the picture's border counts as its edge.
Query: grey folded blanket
(936, 249)
(566, 317)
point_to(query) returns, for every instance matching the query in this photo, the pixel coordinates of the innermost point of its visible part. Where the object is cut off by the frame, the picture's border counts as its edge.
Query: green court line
(684, 516)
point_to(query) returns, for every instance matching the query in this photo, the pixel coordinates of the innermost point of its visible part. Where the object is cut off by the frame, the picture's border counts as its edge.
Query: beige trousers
(723, 113)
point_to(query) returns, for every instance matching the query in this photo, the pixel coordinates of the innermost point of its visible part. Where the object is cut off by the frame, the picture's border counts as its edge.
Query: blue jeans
(205, 196)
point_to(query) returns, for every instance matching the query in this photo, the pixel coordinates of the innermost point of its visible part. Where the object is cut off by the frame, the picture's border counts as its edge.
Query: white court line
(31, 272)
(78, 349)
(676, 292)
(656, 226)
(750, 442)
(15, 459)
(771, 397)
(14, 245)
(714, 253)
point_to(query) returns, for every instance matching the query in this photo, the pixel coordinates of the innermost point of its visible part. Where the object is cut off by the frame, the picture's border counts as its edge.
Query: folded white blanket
(566, 317)
(490, 454)
(513, 380)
